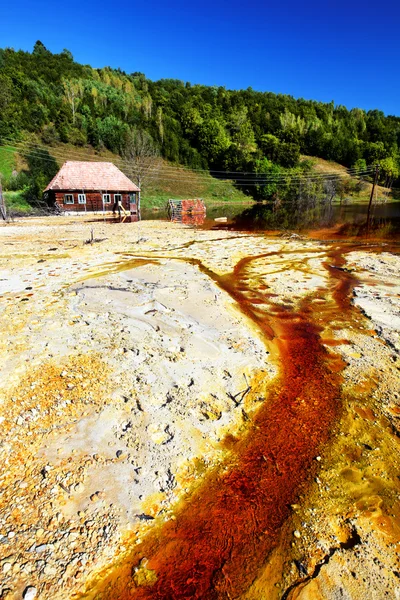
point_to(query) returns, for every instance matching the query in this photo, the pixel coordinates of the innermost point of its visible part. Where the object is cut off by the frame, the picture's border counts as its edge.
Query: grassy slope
(166, 180)
(7, 162)
(14, 200)
(328, 166)
(179, 182)
(325, 166)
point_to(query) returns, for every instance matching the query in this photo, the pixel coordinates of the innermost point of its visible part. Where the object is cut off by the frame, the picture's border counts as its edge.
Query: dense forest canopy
(208, 127)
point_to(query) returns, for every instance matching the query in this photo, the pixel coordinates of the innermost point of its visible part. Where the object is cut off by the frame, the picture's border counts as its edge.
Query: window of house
(81, 198)
(106, 198)
(118, 198)
(132, 198)
(68, 198)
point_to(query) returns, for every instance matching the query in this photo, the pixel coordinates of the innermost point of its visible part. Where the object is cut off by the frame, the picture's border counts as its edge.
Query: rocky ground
(125, 365)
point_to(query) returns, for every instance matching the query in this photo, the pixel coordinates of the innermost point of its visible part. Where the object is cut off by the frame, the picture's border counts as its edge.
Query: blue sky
(348, 52)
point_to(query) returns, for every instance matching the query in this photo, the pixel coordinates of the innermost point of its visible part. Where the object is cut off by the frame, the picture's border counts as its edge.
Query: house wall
(94, 201)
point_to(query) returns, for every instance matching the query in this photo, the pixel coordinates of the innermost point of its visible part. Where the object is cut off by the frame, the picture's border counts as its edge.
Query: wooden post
(138, 201)
(371, 197)
(3, 211)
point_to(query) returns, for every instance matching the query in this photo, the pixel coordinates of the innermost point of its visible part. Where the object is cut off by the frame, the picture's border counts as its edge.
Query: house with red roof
(83, 186)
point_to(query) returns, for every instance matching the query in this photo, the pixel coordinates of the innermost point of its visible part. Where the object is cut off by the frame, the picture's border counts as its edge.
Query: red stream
(224, 532)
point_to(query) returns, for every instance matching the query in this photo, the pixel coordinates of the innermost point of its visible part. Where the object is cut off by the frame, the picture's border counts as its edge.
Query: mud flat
(197, 414)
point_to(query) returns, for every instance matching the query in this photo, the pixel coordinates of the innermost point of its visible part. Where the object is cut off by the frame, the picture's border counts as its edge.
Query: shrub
(76, 137)
(50, 135)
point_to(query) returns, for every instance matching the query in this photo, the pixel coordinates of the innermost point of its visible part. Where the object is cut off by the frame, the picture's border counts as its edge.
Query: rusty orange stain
(223, 533)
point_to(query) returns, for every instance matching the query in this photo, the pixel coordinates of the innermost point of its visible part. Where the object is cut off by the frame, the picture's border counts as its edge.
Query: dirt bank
(133, 372)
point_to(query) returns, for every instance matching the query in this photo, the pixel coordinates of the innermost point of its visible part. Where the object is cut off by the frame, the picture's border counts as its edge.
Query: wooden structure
(189, 211)
(82, 186)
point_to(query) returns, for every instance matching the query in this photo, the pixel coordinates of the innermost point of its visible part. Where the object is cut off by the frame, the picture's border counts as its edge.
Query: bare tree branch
(142, 154)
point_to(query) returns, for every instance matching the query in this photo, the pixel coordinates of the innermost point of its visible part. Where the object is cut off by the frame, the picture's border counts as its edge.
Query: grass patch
(7, 162)
(16, 204)
(382, 194)
(160, 199)
(209, 189)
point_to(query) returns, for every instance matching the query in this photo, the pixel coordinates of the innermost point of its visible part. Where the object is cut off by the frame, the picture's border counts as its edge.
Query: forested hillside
(52, 99)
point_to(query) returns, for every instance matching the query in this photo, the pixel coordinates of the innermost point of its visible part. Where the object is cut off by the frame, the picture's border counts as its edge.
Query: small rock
(29, 593)
(11, 534)
(44, 548)
(44, 471)
(49, 570)
(119, 453)
(297, 534)
(7, 567)
(63, 373)
(301, 568)
(79, 487)
(27, 568)
(19, 420)
(97, 496)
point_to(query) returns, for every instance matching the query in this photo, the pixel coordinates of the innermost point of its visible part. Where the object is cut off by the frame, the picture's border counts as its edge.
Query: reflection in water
(262, 217)
(214, 210)
(191, 219)
(296, 216)
(189, 212)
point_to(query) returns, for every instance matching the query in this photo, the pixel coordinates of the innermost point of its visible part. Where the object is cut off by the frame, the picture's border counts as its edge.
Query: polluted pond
(206, 414)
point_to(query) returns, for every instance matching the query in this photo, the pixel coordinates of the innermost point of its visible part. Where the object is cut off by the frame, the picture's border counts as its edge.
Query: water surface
(262, 217)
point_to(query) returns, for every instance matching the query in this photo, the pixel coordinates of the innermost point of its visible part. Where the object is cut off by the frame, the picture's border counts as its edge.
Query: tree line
(54, 99)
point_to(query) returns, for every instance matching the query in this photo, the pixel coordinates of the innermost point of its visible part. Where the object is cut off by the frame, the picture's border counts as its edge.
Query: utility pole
(372, 195)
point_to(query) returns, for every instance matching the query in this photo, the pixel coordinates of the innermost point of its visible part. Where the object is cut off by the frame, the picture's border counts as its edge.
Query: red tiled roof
(85, 175)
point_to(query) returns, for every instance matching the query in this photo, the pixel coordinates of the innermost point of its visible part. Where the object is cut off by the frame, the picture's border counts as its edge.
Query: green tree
(111, 132)
(374, 152)
(213, 139)
(42, 167)
(40, 49)
(389, 170)
(265, 186)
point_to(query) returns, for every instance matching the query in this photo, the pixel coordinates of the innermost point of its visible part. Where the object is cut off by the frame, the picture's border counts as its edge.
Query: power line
(351, 171)
(257, 178)
(56, 152)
